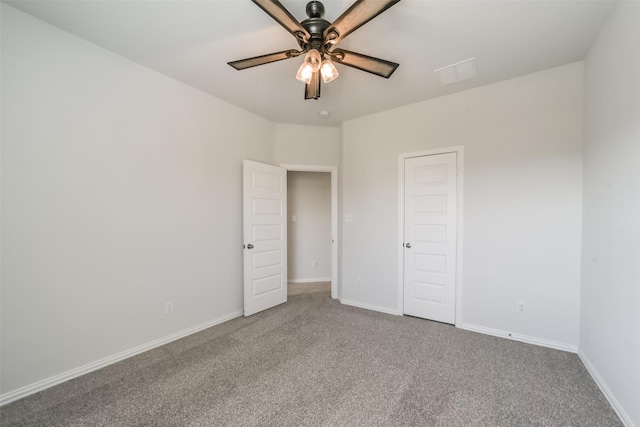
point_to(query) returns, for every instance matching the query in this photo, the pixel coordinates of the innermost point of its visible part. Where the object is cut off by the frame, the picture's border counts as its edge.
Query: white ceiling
(192, 41)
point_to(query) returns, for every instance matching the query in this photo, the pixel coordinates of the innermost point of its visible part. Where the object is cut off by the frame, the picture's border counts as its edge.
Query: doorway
(308, 231)
(430, 206)
(264, 209)
(305, 268)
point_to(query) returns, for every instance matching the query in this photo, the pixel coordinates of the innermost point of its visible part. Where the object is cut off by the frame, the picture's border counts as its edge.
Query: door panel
(430, 237)
(265, 236)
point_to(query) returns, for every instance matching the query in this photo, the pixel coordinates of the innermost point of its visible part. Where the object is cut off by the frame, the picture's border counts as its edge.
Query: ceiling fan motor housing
(315, 26)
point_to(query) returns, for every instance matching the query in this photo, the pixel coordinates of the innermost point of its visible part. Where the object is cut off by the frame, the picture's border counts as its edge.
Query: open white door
(265, 236)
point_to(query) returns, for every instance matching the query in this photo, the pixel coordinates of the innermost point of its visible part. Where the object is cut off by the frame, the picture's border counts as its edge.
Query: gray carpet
(305, 288)
(314, 361)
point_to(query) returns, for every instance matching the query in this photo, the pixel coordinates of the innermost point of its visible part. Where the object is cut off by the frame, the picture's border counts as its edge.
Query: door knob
(408, 245)
(249, 246)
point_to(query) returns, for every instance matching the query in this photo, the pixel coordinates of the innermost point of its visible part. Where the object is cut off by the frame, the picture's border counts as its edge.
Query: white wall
(121, 190)
(312, 146)
(307, 145)
(309, 237)
(610, 303)
(522, 200)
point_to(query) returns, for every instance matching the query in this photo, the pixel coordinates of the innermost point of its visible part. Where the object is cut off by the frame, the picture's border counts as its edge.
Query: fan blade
(312, 90)
(379, 67)
(241, 64)
(281, 15)
(360, 12)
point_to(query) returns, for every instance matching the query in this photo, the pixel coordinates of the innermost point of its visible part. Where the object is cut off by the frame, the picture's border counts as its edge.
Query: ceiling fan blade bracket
(332, 36)
(336, 56)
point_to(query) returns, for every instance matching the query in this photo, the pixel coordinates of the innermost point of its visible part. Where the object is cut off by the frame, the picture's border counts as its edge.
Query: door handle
(249, 246)
(408, 245)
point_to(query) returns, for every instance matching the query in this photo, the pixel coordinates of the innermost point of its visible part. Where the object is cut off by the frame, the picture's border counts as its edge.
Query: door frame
(459, 150)
(333, 170)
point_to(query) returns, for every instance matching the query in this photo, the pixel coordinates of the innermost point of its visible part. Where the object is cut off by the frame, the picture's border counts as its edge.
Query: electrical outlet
(359, 282)
(168, 307)
(314, 264)
(521, 306)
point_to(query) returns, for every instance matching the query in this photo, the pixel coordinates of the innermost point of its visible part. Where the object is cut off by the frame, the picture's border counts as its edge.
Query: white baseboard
(519, 337)
(93, 366)
(370, 307)
(624, 417)
(319, 279)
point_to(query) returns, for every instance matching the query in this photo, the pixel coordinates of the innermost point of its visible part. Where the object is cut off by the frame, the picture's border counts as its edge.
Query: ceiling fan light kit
(316, 36)
(310, 65)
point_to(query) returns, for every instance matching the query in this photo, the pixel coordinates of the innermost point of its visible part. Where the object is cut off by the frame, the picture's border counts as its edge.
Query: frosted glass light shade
(310, 65)
(304, 73)
(328, 71)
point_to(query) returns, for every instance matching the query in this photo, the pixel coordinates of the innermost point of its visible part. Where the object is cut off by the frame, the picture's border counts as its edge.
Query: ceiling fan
(316, 36)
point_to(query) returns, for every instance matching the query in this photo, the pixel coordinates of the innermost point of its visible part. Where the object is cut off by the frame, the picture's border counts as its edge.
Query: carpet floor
(314, 361)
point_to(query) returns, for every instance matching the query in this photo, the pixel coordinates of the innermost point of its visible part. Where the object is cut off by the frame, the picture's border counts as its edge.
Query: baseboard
(624, 417)
(519, 337)
(94, 366)
(370, 307)
(319, 279)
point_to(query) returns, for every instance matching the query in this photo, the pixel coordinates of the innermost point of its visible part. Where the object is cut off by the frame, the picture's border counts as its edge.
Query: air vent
(458, 72)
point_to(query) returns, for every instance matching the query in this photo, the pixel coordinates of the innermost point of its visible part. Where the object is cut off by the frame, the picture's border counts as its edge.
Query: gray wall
(522, 212)
(307, 145)
(121, 190)
(610, 297)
